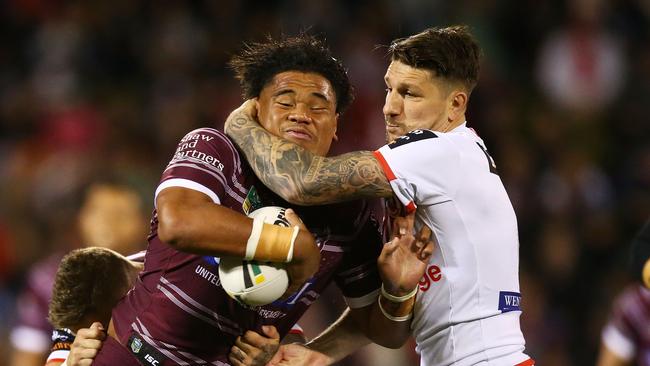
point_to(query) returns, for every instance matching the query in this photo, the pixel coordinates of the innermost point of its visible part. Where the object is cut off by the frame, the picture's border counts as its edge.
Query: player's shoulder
(209, 144)
(414, 138)
(425, 139)
(422, 145)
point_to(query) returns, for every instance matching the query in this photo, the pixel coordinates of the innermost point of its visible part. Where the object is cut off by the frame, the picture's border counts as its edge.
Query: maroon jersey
(627, 332)
(178, 306)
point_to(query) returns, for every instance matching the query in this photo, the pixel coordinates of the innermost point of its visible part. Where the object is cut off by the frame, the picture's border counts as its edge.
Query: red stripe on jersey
(384, 165)
(391, 176)
(410, 208)
(296, 331)
(528, 362)
(61, 360)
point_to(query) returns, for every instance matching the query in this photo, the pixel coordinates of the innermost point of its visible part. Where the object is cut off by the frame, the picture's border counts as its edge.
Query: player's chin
(305, 144)
(391, 137)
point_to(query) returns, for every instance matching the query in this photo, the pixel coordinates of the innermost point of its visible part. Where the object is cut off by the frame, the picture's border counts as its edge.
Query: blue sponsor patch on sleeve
(212, 260)
(509, 301)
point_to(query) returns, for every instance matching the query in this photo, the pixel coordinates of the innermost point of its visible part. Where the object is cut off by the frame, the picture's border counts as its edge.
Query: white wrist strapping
(278, 243)
(254, 238)
(394, 318)
(296, 229)
(394, 298)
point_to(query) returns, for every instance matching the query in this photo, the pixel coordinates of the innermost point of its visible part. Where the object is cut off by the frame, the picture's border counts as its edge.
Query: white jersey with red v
(467, 311)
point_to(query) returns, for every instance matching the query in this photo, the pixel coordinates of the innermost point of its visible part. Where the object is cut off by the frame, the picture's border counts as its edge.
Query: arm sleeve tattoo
(301, 177)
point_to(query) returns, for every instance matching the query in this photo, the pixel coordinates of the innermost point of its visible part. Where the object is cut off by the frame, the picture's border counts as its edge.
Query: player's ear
(336, 125)
(457, 104)
(257, 108)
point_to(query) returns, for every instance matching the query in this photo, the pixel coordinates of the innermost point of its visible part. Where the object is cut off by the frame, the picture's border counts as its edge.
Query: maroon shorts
(113, 353)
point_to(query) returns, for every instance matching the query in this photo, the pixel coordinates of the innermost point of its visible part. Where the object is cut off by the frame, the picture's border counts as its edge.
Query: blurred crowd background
(95, 91)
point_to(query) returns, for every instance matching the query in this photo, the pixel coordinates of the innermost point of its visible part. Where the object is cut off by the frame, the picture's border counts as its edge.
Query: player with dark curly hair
(259, 62)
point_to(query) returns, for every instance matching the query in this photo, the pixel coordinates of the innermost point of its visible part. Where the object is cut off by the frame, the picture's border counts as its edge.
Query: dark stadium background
(90, 89)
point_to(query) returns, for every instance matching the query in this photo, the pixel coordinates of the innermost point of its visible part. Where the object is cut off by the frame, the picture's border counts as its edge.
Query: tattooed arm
(298, 175)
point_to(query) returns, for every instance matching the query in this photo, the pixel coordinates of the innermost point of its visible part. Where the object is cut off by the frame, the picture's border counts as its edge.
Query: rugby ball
(252, 282)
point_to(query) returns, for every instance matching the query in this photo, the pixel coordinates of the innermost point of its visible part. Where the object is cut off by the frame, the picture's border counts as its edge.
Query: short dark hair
(89, 281)
(259, 62)
(452, 53)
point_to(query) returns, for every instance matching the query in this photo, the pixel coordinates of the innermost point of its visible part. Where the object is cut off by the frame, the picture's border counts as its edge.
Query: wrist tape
(271, 243)
(392, 317)
(394, 298)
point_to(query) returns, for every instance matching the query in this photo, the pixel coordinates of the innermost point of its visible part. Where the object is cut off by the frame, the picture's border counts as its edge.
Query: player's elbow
(294, 196)
(290, 190)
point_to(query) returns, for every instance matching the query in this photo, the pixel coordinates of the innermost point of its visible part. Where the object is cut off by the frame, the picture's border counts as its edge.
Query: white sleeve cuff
(186, 183)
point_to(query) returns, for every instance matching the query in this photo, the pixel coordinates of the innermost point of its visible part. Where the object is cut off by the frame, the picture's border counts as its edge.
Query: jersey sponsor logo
(195, 137)
(62, 335)
(270, 314)
(146, 354)
(252, 201)
(136, 345)
(149, 358)
(61, 346)
(415, 135)
(509, 301)
(187, 149)
(195, 154)
(207, 275)
(431, 275)
(213, 261)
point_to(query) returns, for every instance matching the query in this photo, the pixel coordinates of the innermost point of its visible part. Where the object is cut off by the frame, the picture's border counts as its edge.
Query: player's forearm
(341, 339)
(294, 338)
(301, 177)
(386, 332)
(201, 227)
(189, 222)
